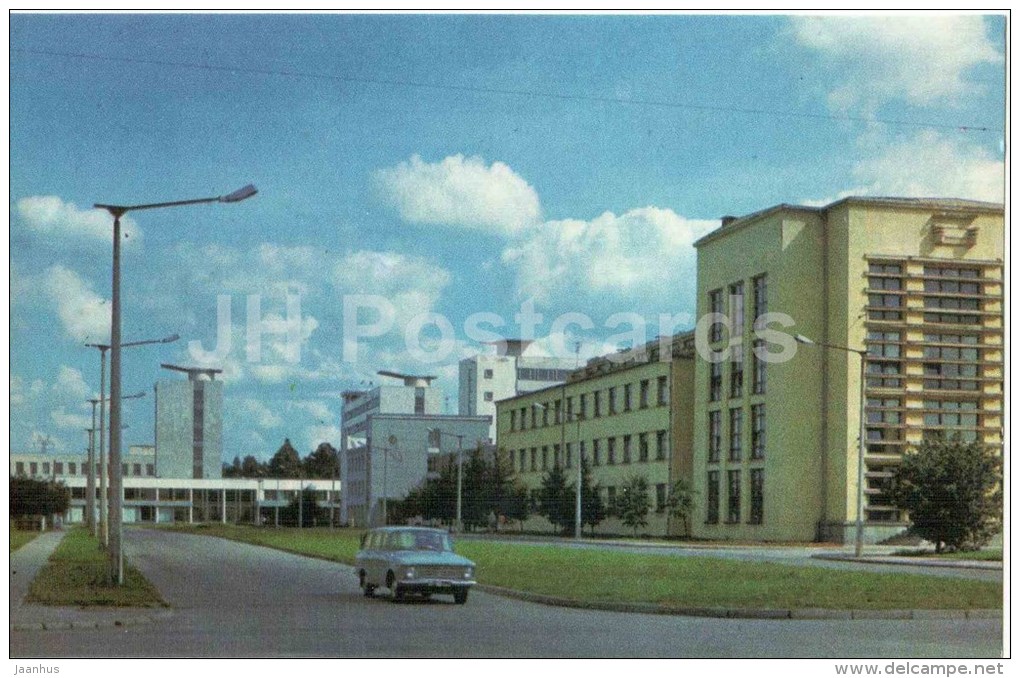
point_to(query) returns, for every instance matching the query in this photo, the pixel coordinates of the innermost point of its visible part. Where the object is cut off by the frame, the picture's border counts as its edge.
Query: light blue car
(413, 560)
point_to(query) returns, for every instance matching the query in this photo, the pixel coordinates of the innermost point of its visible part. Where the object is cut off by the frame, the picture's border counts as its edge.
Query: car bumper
(429, 584)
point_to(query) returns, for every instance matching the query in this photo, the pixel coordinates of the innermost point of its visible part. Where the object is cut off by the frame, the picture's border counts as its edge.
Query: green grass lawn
(598, 575)
(985, 554)
(21, 537)
(75, 575)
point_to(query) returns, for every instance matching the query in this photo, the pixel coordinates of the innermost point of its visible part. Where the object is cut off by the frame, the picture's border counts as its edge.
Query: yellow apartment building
(628, 414)
(916, 283)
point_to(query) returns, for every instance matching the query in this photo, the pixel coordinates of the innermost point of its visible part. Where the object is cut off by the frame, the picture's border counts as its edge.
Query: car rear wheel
(391, 584)
(460, 596)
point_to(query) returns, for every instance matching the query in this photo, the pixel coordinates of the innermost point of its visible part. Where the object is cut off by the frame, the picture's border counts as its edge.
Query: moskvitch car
(413, 561)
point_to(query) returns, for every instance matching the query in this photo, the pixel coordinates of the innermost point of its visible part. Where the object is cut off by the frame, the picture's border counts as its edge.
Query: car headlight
(469, 572)
(409, 573)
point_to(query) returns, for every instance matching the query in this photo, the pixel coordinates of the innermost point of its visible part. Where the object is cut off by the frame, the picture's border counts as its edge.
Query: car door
(377, 561)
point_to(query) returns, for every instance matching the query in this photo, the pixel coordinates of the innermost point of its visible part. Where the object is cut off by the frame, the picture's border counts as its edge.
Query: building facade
(189, 426)
(628, 415)
(393, 458)
(917, 284)
(487, 379)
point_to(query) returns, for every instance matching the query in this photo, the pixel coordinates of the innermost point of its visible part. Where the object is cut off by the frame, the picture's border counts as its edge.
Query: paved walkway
(25, 565)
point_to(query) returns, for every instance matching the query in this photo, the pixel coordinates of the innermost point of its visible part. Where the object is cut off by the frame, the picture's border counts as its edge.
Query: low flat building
(628, 414)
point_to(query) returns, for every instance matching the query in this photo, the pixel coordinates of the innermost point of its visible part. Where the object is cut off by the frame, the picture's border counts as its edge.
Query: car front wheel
(367, 588)
(460, 596)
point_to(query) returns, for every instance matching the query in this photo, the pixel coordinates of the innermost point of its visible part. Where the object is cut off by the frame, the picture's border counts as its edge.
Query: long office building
(916, 283)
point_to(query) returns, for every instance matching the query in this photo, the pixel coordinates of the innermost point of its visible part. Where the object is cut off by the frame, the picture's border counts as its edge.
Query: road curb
(90, 623)
(737, 613)
(912, 561)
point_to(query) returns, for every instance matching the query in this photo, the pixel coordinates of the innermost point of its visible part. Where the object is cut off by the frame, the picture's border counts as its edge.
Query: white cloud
(84, 314)
(70, 382)
(313, 435)
(645, 253)
(263, 417)
(317, 409)
(50, 216)
(61, 418)
(22, 393)
(461, 192)
(931, 165)
(411, 284)
(923, 60)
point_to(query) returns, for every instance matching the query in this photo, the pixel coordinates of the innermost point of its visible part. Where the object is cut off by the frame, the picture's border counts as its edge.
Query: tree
(308, 514)
(952, 491)
(680, 502)
(593, 509)
(517, 504)
(232, 470)
(285, 463)
(253, 468)
(555, 499)
(633, 503)
(30, 497)
(323, 463)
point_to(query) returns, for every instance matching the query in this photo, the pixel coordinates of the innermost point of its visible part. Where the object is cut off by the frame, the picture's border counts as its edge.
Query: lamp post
(116, 479)
(90, 479)
(385, 492)
(863, 355)
(460, 471)
(103, 493)
(577, 488)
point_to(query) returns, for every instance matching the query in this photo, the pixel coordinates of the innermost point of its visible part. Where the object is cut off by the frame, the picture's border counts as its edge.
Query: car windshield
(413, 540)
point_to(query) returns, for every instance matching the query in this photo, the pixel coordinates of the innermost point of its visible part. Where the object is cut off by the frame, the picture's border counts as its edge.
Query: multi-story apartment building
(486, 379)
(916, 283)
(189, 425)
(627, 414)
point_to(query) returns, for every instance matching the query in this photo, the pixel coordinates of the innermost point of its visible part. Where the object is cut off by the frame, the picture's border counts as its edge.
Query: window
(488, 396)
(46, 468)
(596, 453)
(714, 435)
(611, 400)
(596, 404)
(72, 468)
(610, 451)
(761, 307)
(19, 467)
(626, 449)
(556, 455)
(570, 408)
(758, 386)
(570, 456)
(521, 463)
(737, 309)
(125, 470)
(534, 457)
(545, 414)
(582, 405)
(644, 389)
(758, 431)
(487, 374)
(545, 457)
(733, 496)
(955, 417)
(736, 371)
(524, 418)
(558, 412)
(883, 344)
(715, 382)
(642, 447)
(712, 495)
(611, 497)
(58, 468)
(951, 377)
(660, 497)
(885, 307)
(662, 386)
(513, 420)
(883, 374)
(33, 468)
(626, 397)
(419, 400)
(661, 446)
(715, 307)
(736, 430)
(757, 496)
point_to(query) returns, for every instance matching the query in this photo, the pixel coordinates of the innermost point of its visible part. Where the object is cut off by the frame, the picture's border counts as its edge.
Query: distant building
(139, 462)
(486, 379)
(189, 425)
(629, 414)
(393, 458)
(917, 283)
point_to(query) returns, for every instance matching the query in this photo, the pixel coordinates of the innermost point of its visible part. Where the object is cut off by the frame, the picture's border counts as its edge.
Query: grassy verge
(75, 575)
(21, 537)
(986, 554)
(597, 575)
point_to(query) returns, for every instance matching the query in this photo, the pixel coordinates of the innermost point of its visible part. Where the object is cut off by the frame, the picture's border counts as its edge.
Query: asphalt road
(237, 600)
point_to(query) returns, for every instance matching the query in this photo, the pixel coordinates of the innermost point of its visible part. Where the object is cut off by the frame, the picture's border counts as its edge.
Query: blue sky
(449, 164)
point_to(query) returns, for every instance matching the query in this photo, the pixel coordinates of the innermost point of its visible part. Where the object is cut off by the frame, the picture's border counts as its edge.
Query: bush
(952, 491)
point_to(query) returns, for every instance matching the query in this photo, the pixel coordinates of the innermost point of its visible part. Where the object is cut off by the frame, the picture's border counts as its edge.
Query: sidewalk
(26, 562)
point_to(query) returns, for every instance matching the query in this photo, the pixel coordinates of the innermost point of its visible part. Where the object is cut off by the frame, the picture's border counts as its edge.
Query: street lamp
(116, 479)
(103, 348)
(460, 469)
(863, 355)
(577, 487)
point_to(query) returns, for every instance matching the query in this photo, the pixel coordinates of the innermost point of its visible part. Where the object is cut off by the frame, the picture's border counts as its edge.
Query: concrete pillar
(191, 506)
(223, 506)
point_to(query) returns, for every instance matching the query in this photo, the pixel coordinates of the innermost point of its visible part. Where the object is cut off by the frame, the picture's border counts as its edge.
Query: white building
(484, 379)
(189, 425)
